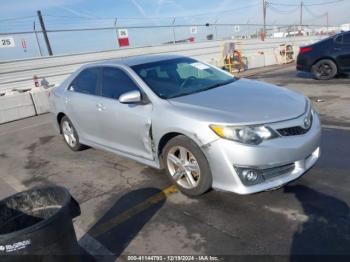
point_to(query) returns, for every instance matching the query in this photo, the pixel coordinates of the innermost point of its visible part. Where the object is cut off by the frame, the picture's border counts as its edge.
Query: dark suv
(326, 58)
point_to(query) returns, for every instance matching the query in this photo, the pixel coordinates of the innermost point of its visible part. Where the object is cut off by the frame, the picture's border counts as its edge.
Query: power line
(208, 14)
(17, 18)
(155, 18)
(283, 11)
(310, 4)
(313, 14)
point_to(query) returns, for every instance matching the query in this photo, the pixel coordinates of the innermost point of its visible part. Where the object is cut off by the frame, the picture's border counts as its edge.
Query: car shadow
(123, 221)
(308, 75)
(325, 232)
(305, 75)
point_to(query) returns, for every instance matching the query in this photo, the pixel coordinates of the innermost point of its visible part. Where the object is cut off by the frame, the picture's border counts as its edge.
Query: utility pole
(301, 12)
(264, 15)
(116, 30)
(37, 40)
(327, 15)
(174, 36)
(43, 29)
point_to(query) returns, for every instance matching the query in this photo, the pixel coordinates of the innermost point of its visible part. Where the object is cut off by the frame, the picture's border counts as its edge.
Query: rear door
(123, 127)
(81, 102)
(342, 49)
(346, 52)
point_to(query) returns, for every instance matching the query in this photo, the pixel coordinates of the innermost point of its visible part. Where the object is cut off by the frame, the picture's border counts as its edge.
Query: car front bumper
(299, 153)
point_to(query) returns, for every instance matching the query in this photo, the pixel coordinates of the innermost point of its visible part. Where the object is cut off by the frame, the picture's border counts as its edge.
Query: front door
(123, 127)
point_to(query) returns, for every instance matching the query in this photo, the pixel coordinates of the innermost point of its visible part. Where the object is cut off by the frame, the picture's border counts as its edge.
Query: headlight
(253, 135)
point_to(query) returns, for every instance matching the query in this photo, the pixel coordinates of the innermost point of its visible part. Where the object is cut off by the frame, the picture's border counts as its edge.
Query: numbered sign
(7, 41)
(123, 33)
(237, 28)
(123, 37)
(193, 30)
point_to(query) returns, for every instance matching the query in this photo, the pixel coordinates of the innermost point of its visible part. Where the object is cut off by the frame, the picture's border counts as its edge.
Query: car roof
(138, 60)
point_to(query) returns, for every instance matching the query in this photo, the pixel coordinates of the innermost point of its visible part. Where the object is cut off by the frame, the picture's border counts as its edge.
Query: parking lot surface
(131, 209)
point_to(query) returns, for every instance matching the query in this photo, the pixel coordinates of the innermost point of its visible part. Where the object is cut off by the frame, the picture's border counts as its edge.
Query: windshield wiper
(182, 94)
(205, 89)
(218, 84)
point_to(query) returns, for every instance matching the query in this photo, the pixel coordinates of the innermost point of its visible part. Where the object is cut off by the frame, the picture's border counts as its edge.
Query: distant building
(291, 31)
(345, 27)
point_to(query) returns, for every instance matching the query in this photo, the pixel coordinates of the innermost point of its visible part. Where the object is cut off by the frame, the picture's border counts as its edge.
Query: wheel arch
(59, 118)
(166, 137)
(162, 142)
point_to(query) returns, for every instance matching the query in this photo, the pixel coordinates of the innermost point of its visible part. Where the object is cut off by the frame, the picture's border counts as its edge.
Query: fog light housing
(249, 176)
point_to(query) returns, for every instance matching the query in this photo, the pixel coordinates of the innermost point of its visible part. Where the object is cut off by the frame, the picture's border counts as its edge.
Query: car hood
(242, 102)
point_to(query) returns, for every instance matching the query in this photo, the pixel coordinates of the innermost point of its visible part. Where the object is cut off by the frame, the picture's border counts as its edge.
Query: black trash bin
(36, 225)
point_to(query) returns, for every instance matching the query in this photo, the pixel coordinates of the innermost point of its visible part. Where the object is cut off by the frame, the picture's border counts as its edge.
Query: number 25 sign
(7, 41)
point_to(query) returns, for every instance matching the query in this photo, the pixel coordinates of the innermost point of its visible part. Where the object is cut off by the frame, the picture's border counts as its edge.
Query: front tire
(187, 166)
(324, 69)
(70, 135)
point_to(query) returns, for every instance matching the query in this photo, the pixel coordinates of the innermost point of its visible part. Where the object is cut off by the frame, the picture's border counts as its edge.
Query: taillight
(304, 50)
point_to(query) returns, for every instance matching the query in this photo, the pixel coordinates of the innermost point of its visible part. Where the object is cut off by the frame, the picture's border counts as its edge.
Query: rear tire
(70, 135)
(324, 69)
(187, 166)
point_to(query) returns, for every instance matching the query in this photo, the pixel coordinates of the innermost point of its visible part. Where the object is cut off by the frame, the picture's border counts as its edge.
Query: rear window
(86, 82)
(339, 39)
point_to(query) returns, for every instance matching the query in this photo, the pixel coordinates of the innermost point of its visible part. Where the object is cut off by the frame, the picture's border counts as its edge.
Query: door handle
(100, 107)
(337, 49)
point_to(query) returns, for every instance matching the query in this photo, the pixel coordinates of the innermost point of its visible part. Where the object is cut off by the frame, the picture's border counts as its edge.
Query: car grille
(277, 171)
(292, 131)
(295, 130)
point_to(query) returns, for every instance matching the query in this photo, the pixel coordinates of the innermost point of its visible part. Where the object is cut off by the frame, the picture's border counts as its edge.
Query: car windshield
(181, 76)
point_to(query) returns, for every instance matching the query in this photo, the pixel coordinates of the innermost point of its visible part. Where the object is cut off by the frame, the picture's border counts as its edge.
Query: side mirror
(130, 97)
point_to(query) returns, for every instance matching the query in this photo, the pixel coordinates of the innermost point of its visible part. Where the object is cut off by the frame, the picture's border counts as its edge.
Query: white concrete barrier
(16, 106)
(270, 59)
(41, 101)
(256, 60)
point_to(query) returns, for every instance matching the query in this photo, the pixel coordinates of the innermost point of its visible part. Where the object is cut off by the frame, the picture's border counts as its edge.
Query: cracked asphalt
(131, 209)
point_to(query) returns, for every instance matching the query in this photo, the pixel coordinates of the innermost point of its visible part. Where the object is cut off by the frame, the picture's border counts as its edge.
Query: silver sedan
(206, 128)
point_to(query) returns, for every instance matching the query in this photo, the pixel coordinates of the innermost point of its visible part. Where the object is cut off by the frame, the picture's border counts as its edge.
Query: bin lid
(32, 209)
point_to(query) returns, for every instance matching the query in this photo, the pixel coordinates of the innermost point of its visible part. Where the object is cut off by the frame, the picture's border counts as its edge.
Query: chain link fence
(31, 43)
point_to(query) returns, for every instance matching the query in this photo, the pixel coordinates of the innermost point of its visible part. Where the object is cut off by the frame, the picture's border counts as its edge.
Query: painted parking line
(132, 211)
(92, 246)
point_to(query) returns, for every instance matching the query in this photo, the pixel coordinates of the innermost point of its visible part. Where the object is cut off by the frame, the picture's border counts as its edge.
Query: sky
(19, 15)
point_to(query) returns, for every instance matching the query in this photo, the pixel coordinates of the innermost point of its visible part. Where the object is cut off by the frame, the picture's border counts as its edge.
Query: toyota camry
(204, 127)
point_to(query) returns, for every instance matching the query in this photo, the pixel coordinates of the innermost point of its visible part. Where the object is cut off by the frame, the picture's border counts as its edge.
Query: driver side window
(115, 82)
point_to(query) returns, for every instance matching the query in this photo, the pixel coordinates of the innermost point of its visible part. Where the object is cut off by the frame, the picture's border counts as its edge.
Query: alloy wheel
(324, 69)
(68, 134)
(183, 167)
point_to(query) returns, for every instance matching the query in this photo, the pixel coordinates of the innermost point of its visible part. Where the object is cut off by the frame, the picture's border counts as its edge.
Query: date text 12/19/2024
(173, 258)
